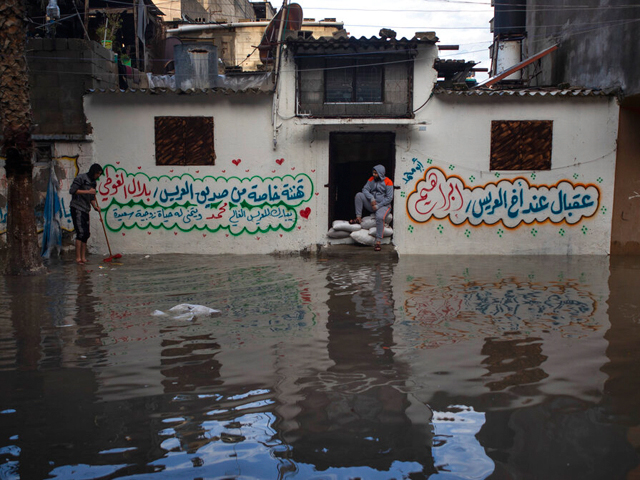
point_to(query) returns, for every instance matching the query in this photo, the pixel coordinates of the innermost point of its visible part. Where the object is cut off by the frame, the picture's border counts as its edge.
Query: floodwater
(361, 367)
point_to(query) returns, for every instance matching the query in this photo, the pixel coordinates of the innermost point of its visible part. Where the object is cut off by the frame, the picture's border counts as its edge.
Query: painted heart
(224, 171)
(273, 171)
(247, 170)
(317, 193)
(236, 162)
(313, 171)
(139, 168)
(299, 227)
(170, 171)
(175, 233)
(204, 234)
(305, 212)
(117, 163)
(280, 161)
(197, 171)
(148, 233)
(293, 168)
(280, 235)
(123, 234)
(226, 234)
(257, 238)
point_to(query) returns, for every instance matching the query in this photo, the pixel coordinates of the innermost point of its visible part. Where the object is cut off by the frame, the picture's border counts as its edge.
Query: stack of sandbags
(364, 232)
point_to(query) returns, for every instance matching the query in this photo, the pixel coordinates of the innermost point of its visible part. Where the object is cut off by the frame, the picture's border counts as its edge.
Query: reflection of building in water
(355, 413)
(500, 322)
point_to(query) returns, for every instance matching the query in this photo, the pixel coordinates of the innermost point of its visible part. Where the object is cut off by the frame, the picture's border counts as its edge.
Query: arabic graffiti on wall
(509, 201)
(251, 205)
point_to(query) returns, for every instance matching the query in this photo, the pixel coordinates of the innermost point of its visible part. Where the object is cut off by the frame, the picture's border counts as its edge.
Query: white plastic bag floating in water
(195, 309)
(188, 311)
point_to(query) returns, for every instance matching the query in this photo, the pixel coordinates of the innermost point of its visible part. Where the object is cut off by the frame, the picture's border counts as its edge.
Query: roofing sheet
(528, 92)
(346, 42)
(191, 91)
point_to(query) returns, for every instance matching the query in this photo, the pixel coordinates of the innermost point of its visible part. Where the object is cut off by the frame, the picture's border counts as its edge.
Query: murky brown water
(425, 367)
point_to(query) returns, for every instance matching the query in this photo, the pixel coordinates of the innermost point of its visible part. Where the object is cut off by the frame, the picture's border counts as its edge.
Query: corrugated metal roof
(347, 42)
(528, 92)
(191, 91)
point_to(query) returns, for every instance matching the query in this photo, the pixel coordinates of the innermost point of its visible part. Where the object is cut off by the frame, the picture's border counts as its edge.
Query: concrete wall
(60, 71)
(259, 199)
(598, 44)
(626, 211)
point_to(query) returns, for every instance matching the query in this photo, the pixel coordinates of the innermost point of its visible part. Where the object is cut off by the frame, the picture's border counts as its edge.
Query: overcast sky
(456, 22)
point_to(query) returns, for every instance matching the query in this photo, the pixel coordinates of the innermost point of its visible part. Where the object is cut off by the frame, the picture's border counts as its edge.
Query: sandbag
(333, 233)
(363, 237)
(368, 222)
(387, 232)
(343, 225)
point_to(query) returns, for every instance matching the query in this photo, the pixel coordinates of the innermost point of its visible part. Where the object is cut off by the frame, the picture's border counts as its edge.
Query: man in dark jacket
(376, 196)
(83, 196)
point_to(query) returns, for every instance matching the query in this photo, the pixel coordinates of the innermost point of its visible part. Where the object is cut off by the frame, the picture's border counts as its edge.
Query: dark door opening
(352, 157)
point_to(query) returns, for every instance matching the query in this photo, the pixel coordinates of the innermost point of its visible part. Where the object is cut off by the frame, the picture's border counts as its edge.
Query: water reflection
(447, 367)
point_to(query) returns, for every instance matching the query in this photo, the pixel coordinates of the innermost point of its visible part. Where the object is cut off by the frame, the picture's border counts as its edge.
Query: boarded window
(521, 145)
(184, 141)
(350, 81)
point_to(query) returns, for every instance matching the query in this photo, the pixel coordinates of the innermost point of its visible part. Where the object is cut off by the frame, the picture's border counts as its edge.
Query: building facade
(476, 172)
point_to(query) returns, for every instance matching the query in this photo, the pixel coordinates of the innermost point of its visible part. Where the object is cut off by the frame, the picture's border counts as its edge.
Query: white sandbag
(368, 222)
(387, 232)
(200, 310)
(343, 225)
(363, 237)
(333, 233)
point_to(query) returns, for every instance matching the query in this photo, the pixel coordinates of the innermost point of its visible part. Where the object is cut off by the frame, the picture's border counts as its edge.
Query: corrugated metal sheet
(528, 92)
(192, 91)
(342, 42)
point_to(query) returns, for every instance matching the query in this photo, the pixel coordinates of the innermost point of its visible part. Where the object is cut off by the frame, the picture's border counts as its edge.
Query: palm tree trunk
(15, 117)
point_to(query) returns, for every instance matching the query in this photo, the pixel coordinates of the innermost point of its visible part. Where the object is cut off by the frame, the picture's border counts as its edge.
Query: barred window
(349, 81)
(521, 145)
(184, 141)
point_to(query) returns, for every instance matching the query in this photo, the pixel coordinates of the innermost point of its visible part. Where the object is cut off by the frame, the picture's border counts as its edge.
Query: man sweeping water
(83, 197)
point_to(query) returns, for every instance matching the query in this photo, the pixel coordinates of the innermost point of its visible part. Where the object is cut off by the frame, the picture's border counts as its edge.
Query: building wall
(261, 199)
(237, 45)
(598, 44)
(626, 212)
(461, 216)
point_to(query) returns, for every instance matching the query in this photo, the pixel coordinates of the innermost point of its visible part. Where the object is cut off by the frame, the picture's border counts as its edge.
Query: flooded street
(340, 368)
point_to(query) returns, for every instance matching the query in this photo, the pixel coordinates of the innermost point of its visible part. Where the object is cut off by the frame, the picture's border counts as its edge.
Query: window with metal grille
(521, 145)
(184, 141)
(353, 81)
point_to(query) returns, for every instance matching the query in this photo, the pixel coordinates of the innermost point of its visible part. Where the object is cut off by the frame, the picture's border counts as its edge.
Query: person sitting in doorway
(83, 197)
(376, 196)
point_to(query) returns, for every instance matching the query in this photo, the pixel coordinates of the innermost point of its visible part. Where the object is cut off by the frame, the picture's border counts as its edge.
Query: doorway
(352, 157)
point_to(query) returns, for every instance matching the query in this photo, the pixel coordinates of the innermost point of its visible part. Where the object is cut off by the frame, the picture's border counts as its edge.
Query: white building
(475, 171)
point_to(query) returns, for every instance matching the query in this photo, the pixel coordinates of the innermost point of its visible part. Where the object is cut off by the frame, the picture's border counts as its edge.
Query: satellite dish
(292, 15)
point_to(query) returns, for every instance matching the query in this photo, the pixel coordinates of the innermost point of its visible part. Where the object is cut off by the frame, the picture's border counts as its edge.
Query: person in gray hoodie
(376, 196)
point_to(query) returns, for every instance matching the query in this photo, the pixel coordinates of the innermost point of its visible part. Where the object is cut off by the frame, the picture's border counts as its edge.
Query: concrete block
(61, 44)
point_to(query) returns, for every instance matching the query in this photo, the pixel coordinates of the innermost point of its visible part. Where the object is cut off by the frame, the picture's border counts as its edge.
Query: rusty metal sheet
(184, 141)
(521, 145)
